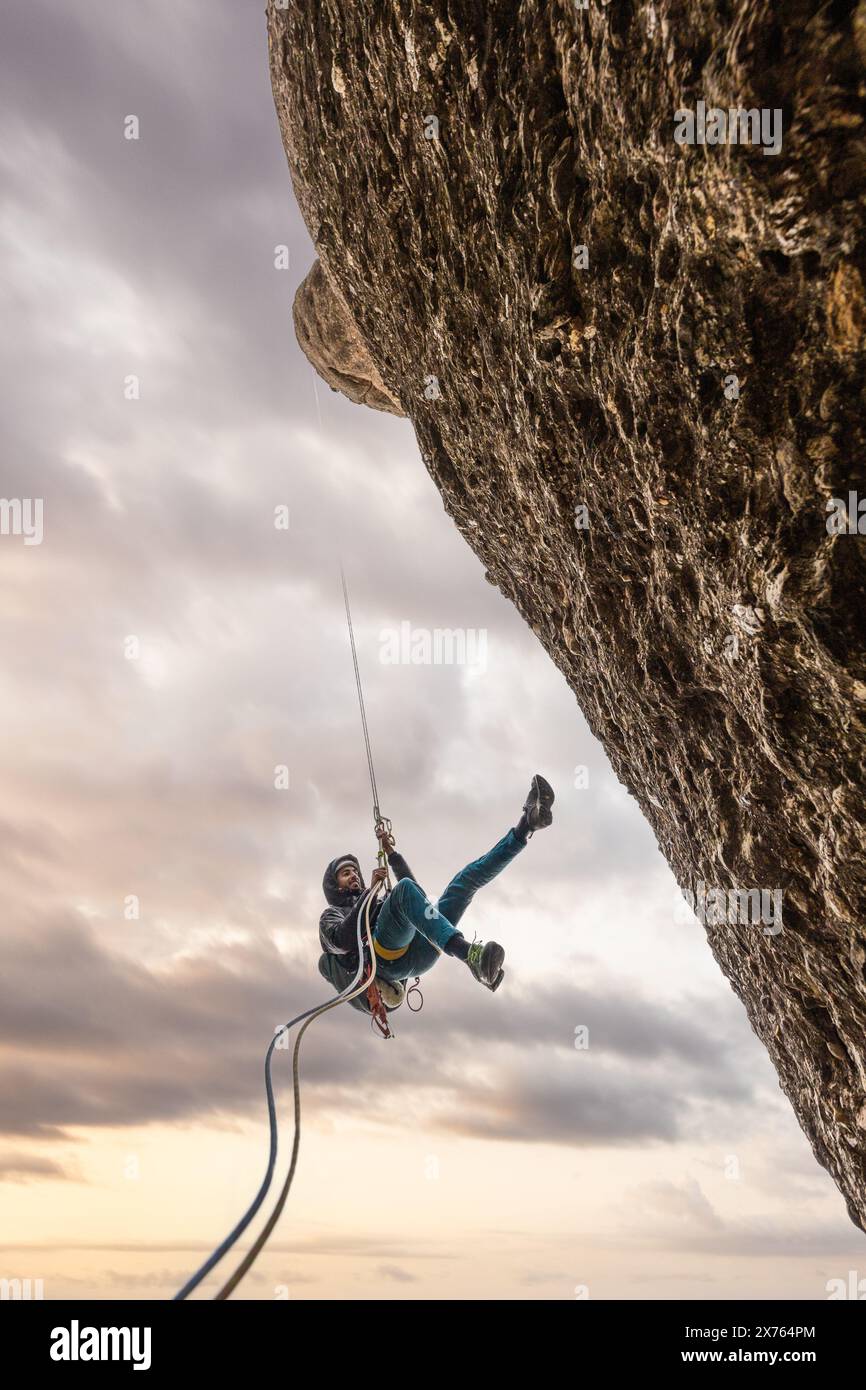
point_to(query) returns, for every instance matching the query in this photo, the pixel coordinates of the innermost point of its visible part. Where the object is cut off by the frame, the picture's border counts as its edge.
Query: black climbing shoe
(536, 808)
(485, 962)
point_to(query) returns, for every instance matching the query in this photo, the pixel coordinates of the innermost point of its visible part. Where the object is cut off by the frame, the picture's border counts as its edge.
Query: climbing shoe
(485, 962)
(536, 808)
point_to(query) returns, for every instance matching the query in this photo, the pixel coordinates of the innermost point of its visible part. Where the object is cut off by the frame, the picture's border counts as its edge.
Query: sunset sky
(480, 1154)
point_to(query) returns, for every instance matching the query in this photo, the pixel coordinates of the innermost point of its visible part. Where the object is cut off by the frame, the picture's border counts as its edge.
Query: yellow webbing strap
(386, 954)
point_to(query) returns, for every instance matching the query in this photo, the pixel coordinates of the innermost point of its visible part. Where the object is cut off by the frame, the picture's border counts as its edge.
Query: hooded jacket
(338, 924)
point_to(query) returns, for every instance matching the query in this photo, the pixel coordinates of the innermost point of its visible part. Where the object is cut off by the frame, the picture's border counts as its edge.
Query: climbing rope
(376, 814)
(349, 993)
(379, 1020)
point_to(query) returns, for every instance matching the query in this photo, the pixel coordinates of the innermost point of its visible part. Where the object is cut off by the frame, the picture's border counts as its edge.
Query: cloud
(396, 1273)
(101, 1039)
(376, 1247)
(545, 1276)
(25, 1168)
(679, 1216)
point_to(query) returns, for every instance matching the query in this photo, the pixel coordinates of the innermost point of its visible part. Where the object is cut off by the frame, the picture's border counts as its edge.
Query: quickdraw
(382, 831)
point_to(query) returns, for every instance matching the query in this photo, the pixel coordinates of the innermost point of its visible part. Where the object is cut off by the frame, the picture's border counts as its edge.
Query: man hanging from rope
(410, 932)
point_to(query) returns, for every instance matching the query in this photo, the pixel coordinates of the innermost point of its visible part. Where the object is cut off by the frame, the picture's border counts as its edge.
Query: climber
(410, 932)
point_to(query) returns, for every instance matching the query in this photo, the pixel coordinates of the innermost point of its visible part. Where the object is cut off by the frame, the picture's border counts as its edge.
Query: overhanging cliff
(635, 370)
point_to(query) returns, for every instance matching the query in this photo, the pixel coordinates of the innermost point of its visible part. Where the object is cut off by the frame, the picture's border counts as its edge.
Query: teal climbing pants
(419, 930)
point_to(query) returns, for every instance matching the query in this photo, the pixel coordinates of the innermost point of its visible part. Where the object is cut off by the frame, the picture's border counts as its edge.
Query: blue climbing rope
(349, 993)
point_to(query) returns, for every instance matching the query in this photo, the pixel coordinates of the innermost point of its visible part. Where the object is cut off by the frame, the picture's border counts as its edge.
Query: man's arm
(339, 934)
(400, 867)
(395, 858)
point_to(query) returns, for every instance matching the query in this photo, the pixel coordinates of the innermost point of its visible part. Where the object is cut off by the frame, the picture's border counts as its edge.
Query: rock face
(635, 370)
(328, 335)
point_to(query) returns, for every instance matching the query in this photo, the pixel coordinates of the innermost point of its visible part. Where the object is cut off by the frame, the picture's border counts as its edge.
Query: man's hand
(378, 876)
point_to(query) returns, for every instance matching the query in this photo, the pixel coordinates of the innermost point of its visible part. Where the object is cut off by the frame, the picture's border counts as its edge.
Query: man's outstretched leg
(486, 960)
(406, 911)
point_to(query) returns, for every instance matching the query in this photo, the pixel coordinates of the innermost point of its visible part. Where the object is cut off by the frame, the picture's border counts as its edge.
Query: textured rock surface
(328, 335)
(710, 626)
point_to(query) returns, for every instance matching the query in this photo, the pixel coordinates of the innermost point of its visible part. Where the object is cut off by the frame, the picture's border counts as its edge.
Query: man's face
(348, 880)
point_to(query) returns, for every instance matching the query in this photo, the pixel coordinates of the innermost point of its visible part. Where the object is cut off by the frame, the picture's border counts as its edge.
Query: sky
(167, 649)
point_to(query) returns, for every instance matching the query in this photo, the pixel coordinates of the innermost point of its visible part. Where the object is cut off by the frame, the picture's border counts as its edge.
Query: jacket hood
(335, 896)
